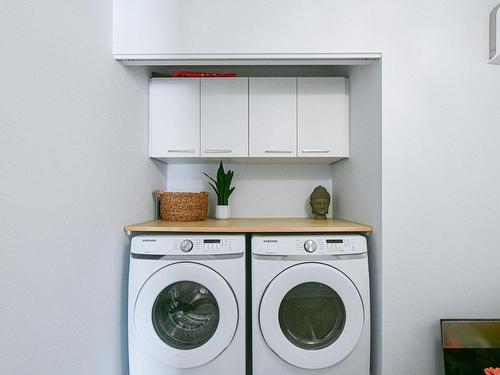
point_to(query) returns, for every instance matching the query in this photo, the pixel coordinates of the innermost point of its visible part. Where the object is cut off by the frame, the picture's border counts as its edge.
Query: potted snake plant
(223, 189)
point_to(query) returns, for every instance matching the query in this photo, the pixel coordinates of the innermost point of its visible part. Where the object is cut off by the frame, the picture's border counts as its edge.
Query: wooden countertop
(252, 226)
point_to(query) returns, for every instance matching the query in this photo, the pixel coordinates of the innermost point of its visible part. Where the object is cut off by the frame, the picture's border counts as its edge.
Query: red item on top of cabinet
(191, 74)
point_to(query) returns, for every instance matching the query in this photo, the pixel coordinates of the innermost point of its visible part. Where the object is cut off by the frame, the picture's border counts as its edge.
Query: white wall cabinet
(224, 117)
(262, 118)
(174, 117)
(322, 117)
(273, 117)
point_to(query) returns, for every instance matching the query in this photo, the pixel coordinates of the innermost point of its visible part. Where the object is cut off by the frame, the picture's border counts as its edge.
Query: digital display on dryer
(334, 241)
(211, 241)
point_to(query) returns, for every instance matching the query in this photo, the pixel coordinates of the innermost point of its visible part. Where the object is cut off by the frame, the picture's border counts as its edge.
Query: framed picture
(471, 346)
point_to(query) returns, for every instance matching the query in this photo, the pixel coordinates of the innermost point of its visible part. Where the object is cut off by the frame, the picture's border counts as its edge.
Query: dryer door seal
(185, 315)
(311, 315)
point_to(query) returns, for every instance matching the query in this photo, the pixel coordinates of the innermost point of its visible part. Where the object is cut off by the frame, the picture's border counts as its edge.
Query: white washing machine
(311, 305)
(186, 311)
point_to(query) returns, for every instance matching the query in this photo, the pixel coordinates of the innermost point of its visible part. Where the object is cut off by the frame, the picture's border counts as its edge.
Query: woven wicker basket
(182, 206)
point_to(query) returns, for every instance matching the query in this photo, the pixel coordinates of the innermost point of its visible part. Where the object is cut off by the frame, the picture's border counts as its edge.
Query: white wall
(74, 170)
(440, 179)
(357, 181)
(262, 190)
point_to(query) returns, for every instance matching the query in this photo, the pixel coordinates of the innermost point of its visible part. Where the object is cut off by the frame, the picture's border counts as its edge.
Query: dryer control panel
(311, 245)
(188, 244)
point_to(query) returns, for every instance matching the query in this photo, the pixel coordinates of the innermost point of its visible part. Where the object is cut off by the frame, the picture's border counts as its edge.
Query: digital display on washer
(334, 241)
(211, 241)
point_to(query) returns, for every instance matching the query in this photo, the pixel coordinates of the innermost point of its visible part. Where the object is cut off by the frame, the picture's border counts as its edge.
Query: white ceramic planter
(222, 212)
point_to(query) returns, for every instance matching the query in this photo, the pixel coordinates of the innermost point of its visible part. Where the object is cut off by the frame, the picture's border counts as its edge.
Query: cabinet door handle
(211, 151)
(315, 151)
(278, 151)
(183, 151)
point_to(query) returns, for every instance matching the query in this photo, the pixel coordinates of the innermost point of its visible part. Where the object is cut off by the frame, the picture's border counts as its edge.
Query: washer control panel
(310, 245)
(188, 244)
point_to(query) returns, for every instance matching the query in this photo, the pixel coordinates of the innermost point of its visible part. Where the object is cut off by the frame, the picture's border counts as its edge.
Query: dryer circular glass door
(311, 315)
(185, 315)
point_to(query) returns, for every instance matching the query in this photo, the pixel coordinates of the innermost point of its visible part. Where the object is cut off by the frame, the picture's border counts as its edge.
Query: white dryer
(186, 312)
(311, 305)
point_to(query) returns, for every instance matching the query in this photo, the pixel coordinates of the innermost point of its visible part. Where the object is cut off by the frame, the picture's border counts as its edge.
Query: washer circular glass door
(185, 314)
(311, 315)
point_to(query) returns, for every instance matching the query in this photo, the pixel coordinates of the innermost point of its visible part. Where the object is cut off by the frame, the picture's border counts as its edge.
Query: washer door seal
(185, 315)
(326, 322)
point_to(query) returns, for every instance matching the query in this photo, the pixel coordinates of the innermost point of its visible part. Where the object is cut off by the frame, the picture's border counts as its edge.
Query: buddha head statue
(320, 202)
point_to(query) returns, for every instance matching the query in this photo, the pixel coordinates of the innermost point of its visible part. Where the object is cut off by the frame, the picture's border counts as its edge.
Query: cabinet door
(224, 117)
(322, 116)
(273, 117)
(175, 117)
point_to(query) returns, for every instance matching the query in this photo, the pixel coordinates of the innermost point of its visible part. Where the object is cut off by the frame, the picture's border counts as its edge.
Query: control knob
(186, 246)
(310, 246)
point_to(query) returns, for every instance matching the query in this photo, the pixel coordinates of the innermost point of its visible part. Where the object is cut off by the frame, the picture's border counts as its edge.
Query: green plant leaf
(224, 185)
(221, 181)
(215, 189)
(220, 172)
(215, 182)
(229, 190)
